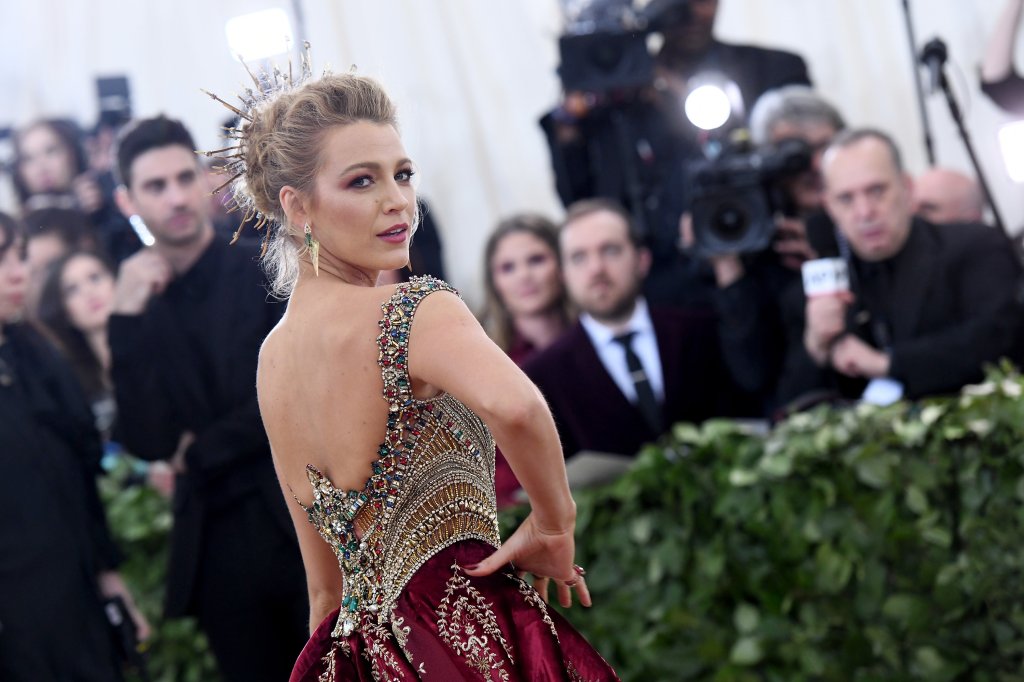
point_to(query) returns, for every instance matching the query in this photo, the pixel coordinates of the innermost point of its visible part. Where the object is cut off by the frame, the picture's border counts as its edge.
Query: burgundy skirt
(451, 626)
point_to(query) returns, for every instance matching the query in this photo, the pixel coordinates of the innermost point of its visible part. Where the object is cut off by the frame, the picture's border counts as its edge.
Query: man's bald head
(942, 195)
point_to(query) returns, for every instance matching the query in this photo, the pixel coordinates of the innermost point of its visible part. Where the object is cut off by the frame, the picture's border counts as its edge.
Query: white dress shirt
(613, 355)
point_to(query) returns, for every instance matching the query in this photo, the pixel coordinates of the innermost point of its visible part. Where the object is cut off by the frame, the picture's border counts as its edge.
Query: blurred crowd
(636, 310)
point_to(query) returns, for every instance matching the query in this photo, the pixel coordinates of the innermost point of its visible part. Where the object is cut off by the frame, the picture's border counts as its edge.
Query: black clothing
(425, 249)
(1008, 93)
(943, 307)
(755, 70)
(763, 313)
(188, 364)
(622, 150)
(54, 540)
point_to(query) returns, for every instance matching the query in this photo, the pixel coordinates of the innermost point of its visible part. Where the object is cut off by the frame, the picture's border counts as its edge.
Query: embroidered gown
(408, 610)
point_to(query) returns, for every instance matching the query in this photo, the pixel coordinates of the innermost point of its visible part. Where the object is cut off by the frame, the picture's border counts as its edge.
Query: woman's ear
(294, 206)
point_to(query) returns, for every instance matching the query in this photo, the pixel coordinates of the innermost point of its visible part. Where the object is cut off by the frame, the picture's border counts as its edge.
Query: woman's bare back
(320, 386)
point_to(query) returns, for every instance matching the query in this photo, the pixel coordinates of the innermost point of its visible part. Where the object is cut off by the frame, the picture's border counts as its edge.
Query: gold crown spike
(267, 83)
(251, 74)
(234, 177)
(220, 152)
(229, 106)
(307, 61)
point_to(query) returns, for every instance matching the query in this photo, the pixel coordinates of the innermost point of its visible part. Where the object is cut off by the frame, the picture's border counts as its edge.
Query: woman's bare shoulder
(443, 309)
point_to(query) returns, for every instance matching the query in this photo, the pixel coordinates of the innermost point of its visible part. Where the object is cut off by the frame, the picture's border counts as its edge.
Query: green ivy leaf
(746, 618)
(746, 651)
(916, 500)
(833, 569)
(742, 478)
(874, 470)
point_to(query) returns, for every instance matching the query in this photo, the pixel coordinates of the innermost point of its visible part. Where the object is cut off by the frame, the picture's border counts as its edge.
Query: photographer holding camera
(620, 132)
(756, 218)
(930, 304)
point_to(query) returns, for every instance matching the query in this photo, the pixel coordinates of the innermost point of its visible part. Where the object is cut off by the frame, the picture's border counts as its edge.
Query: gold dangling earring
(314, 249)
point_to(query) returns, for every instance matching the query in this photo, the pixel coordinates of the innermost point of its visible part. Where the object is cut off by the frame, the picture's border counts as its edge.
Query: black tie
(645, 399)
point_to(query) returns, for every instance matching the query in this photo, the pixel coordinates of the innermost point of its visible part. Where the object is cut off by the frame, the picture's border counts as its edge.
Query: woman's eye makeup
(403, 176)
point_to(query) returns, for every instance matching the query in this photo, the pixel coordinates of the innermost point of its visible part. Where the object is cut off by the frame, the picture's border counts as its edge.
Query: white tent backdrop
(472, 77)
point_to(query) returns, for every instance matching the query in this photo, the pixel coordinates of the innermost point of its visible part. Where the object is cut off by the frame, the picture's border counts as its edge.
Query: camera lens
(730, 221)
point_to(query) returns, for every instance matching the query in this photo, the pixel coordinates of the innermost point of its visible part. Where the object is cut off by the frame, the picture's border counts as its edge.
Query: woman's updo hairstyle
(279, 142)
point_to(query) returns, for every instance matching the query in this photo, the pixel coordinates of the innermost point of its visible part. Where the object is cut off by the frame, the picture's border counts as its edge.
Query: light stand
(934, 55)
(919, 89)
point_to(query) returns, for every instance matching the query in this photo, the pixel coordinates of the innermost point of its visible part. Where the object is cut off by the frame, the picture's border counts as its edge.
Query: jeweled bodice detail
(432, 484)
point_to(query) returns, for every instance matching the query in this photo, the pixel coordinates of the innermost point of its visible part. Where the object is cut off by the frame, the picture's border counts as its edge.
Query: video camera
(604, 47)
(736, 196)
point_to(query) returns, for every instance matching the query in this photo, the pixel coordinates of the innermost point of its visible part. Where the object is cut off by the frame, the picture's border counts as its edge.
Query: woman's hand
(547, 554)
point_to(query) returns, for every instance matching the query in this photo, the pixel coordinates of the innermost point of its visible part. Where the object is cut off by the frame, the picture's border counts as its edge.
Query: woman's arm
(323, 576)
(997, 62)
(449, 350)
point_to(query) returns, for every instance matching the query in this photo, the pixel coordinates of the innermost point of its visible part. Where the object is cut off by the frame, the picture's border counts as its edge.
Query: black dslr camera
(736, 196)
(604, 47)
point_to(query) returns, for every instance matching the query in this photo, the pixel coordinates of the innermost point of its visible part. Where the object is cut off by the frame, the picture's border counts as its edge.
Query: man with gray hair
(791, 111)
(798, 112)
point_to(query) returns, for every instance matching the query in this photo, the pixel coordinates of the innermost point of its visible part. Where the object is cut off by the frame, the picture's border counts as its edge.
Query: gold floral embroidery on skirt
(330, 661)
(401, 633)
(466, 622)
(533, 598)
(377, 653)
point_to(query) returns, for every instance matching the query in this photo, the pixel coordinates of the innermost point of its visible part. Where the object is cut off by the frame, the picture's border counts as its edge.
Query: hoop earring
(314, 249)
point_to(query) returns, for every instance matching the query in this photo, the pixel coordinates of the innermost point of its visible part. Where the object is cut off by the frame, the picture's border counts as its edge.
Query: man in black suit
(190, 313)
(931, 304)
(625, 372)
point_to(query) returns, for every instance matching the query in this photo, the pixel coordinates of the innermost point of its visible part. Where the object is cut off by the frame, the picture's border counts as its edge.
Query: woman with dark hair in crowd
(51, 171)
(52, 233)
(56, 556)
(48, 157)
(379, 403)
(527, 307)
(75, 305)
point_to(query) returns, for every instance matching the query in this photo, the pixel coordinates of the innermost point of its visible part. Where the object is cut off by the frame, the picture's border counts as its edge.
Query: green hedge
(861, 544)
(140, 520)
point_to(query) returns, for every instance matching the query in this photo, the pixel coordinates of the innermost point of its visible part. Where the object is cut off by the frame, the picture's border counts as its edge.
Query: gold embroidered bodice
(432, 484)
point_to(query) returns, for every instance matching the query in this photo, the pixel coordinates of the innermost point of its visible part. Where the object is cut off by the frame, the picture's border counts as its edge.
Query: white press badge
(825, 277)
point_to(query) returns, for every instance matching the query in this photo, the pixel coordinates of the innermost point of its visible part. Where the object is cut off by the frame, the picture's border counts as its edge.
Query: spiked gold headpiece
(268, 84)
